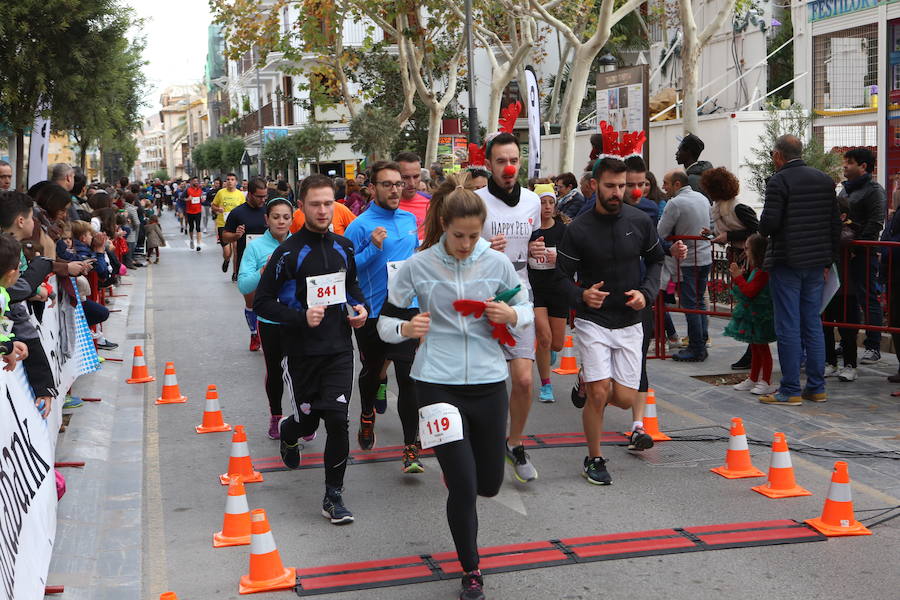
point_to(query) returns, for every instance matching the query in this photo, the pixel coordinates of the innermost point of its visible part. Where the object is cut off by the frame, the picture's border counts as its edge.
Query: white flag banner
(37, 150)
(534, 123)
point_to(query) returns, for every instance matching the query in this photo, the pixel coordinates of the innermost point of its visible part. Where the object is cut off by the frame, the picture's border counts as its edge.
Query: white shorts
(610, 353)
(525, 341)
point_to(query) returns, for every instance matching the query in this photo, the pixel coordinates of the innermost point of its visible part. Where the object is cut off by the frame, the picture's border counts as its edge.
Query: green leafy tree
(231, 149)
(41, 43)
(794, 121)
(312, 142)
(161, 174)
(373, 131)
(101, 100)
(200, 157)
(279, 153)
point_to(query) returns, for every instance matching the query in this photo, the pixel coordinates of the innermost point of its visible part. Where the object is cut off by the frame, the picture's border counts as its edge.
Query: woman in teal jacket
(279, 212)
(459, 369)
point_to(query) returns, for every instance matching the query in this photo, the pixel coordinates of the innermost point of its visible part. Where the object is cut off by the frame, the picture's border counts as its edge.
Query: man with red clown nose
(513, 213)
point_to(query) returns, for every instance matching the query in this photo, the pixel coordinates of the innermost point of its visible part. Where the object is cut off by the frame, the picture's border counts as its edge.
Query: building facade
(848, 56)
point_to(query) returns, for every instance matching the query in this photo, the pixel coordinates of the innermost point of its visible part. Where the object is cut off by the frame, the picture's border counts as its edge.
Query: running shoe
(225, 265)
(198, 248)
(639, 440)
(472, 586)
(192, 244)
(234, 277)
(814, 396)
(72, 402)
(381, 399)
(333, 507)
(687, 355)
(366, 435)
(553, 356)
(579, 394)
(847, 374)
(254, 342)
(870, 356)
(781, 398)
(762, 388)
(411, 462)
(274, 434)
(107, 345)
(546, 394)
(745, 386)
(831, 370)
(523, 470)
(290, 453)
(595, 471)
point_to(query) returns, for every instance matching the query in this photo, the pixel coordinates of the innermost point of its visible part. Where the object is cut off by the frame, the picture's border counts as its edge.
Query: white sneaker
(847, 374)
(763, 389)
(745, 386)
(831, 371)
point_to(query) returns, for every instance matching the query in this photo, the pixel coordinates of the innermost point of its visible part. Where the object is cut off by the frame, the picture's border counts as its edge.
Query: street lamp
(607, 63)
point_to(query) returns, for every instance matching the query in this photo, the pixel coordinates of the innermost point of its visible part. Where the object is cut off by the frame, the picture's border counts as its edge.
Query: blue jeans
(692, 288)
(797, 299)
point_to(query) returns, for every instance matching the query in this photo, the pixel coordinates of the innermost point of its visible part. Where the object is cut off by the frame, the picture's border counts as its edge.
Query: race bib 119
(439, 424)
(325, 290)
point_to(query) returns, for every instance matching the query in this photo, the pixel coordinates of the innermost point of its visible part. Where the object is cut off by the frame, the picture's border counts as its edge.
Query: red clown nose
(509, 171)
(636, 193)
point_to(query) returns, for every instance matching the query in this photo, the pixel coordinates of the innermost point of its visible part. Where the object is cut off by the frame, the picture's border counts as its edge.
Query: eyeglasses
(261, 197)
(386, 185)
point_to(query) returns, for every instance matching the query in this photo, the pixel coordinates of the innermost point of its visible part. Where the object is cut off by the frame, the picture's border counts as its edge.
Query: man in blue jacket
(383, 237)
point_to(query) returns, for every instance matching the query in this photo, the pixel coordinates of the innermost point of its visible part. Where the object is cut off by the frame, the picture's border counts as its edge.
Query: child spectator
(17, 221)
(10, 351)
(753, 318)
(843, 307)
(155, 239)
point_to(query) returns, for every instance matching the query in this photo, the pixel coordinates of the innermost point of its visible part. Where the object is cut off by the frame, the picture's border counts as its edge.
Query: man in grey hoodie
(687, 213)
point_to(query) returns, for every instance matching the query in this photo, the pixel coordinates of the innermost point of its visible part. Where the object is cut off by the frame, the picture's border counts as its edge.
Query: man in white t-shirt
(513, 213)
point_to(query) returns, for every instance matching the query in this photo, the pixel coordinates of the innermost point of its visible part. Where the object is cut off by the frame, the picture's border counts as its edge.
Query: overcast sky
(176, 43)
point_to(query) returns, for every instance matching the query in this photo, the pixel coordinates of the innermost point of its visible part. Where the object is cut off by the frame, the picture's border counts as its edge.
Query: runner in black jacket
(318, 362)
(604, 248)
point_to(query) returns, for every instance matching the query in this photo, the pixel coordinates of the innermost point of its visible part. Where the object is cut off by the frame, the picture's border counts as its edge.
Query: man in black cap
(688, 156)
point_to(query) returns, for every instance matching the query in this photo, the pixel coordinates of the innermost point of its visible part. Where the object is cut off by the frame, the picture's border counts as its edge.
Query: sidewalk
(97, 554)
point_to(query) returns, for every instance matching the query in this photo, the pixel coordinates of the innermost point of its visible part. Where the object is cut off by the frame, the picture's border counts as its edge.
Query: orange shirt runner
(342, 217)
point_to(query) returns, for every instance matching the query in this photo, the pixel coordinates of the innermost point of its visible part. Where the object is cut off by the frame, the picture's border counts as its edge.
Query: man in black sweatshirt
(309, 287)
(604, 248)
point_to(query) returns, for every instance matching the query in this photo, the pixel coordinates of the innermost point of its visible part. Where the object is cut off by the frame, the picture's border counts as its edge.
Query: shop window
(845, 71)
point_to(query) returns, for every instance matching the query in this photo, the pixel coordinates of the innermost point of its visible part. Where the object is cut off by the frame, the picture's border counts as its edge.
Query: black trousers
(373, 351)
(472, 466)
(270, 338)
(319, 388)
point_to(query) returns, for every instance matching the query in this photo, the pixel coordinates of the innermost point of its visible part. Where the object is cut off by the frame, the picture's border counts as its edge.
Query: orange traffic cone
(837, 514)
(170, 394)
(239, 463)
(212, 414)
(236, 524)
(567, 364)
(266, 571)
(651, 423)
(781, 483)
(168, 596)
(139, 372)
(737, 459)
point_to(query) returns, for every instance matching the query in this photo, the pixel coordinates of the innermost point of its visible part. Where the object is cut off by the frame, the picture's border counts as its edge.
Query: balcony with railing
(249, 123)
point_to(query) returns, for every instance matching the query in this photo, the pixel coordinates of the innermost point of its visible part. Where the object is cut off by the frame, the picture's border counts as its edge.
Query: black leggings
(647, 321)
(270, 337)
(484, 413)
(337, 442)
(372, 353)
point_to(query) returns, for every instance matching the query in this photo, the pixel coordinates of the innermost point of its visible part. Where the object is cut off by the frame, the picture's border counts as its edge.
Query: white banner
(27, 449)
(534, 123)
(38, 150)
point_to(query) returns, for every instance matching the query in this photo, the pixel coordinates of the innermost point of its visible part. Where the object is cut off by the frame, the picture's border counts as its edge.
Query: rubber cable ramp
(534, 555)
(316, 460)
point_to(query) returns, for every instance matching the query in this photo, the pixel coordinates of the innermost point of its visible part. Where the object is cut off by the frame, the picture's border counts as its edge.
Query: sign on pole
(37, 150)
(623, 97)
(533, 100)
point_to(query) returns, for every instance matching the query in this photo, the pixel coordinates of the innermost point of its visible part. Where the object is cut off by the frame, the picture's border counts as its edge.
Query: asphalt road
(194, 318)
